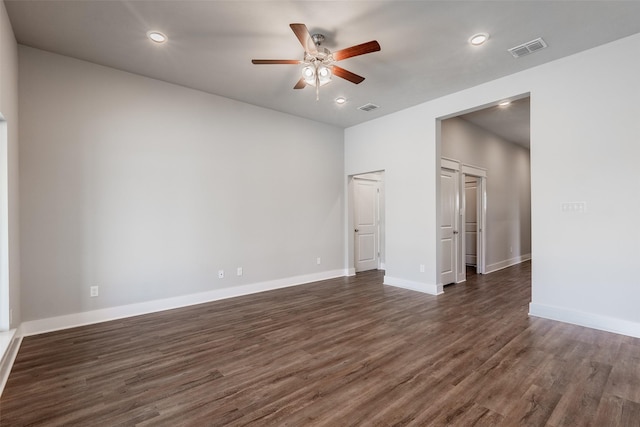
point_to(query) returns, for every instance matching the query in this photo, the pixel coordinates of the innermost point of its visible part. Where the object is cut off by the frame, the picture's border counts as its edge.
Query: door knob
(455, 232)
(356, 230)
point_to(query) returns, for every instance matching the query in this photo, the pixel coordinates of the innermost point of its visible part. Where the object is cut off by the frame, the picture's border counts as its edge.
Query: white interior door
(448, 225)
(471, 221)
(366, 224)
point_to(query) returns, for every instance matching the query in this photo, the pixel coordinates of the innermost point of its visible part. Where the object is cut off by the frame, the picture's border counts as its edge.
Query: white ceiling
(425, 53)
(511, 122)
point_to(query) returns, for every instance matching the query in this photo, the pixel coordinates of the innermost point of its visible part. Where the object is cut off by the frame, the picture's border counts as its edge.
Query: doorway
(495, 196)
(462, 220)
(368, 221)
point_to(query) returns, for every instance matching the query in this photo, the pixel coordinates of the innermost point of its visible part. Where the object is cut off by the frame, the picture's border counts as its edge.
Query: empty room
(319, 213)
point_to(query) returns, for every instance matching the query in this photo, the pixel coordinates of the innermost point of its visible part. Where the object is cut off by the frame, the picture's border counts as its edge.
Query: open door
(449, 234)
(366, 223)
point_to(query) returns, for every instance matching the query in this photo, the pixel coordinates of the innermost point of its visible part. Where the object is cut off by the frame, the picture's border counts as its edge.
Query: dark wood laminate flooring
(341, 352)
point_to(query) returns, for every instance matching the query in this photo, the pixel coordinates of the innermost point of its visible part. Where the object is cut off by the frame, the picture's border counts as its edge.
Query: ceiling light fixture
(316, 73)
(341, 100)
(156, 36)
(504, 103)
(318, 64)
(478, 39)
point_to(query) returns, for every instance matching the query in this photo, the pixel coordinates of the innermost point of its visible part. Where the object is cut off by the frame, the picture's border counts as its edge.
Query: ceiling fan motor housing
(317, 39)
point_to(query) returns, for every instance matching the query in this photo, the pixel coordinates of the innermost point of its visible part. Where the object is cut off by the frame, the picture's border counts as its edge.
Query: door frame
(481, 240)
(5, 304)
(463, 171)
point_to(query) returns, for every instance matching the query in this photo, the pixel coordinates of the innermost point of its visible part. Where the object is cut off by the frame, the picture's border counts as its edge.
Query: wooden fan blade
(301, 84)
(275, 61)
(302, 33)
(347, 75)
(361, 49)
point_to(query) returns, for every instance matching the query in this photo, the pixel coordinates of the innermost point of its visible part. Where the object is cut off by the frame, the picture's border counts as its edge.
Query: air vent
(368, 107)
(527, 48)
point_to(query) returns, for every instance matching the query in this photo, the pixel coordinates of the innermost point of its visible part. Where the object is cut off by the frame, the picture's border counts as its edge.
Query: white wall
(584, 147)
(508, 221)
(9, 211)
(394, 143)
(147, 189)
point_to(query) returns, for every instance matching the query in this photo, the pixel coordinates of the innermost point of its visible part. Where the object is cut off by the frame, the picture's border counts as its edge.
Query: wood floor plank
(534, 407)
(579, 404)
(341, 352)
(614, 410)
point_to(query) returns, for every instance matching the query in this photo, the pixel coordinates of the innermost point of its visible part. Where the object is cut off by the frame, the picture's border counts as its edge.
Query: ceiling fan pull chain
(317, 84)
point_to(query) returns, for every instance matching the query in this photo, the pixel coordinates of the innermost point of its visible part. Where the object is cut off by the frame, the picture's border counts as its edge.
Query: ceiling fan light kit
(318, 64)
(315, 74)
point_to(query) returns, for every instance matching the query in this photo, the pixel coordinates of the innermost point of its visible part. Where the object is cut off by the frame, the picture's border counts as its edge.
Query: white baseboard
(414, 286)
(5, 342)
(507, 263)
(351, 272)
(9, 344)
(595, 321)
(34, 327)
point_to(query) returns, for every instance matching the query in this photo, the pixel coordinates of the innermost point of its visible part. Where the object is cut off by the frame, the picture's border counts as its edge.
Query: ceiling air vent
(527, 48)
(368, 107)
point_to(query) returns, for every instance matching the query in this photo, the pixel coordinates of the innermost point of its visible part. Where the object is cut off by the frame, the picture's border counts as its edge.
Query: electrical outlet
(318, 261)
(421, 268)
(220, 274)
(94, 291)
(239, 271)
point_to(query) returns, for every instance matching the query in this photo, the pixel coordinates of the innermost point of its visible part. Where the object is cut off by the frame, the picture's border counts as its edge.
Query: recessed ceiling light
(504, 103)
(156, 36)
(478, 39)
(341, 100)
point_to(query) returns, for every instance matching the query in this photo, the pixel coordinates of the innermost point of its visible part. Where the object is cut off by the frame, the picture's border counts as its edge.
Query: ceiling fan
(319, 62)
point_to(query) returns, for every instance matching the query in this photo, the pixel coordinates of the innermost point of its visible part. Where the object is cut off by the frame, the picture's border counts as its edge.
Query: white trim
(425, 288)
(371, 176)
(40, 326)
(5, 342)
(474, 170)
(5, 301)
(589, 320)
(450, 164)
(482, 263)
(507, 263)
(9, 345)
(350, 272)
